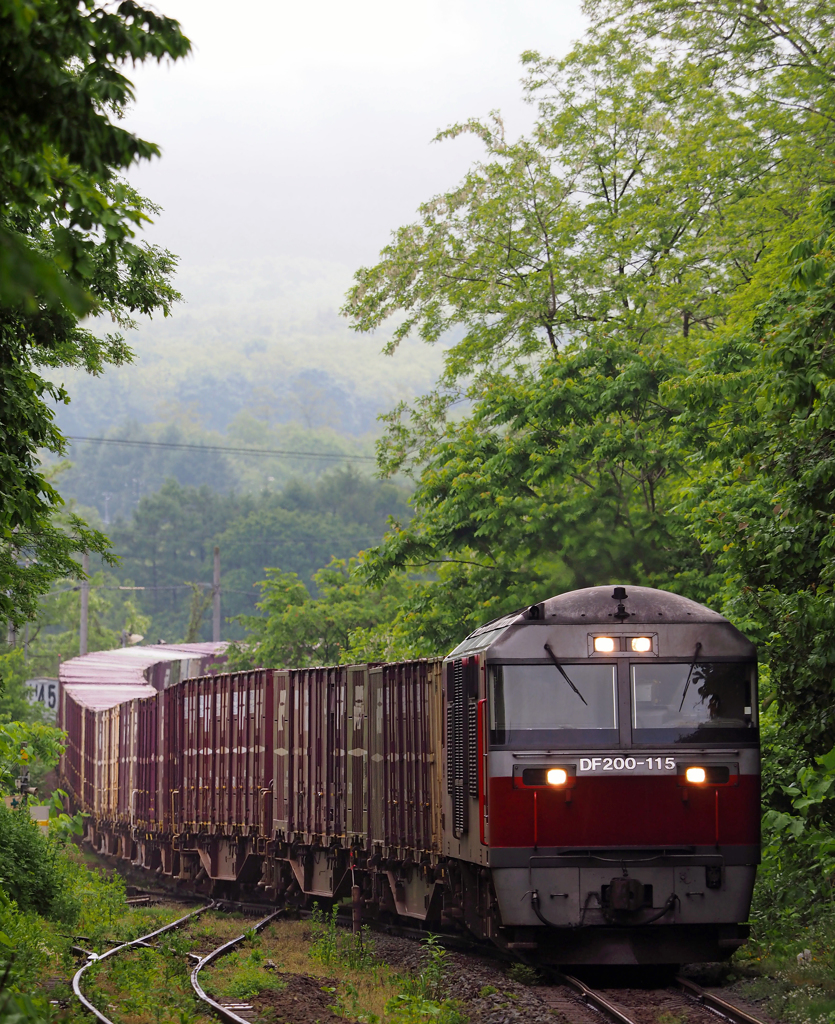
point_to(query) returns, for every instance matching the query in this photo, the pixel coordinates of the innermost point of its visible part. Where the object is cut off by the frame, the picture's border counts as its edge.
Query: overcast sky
(305, 129)
(295, 139)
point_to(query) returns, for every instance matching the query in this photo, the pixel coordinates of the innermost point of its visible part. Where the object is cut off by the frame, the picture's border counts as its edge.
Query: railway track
(683, 999)
(569, 997)
(235, 1013)
(143, 940)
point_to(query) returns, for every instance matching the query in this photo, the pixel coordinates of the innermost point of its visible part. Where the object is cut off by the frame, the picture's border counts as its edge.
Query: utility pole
(85, 600)
(216, 598)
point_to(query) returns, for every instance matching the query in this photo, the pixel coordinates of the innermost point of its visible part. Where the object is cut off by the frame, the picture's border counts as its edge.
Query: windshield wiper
(561, 671)
(689, 674)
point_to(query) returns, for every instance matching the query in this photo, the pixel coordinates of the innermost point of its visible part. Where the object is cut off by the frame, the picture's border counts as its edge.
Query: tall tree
(68, 249)
(340, 625)
(758, 423)
(580, 268)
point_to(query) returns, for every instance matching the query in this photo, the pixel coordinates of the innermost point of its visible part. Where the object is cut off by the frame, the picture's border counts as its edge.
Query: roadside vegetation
(49, 899)
(294, 970)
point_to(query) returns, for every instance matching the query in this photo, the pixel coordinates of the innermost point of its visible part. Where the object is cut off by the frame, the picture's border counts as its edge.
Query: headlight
(642, 644)
(556, 776)
(695, 775)
(606, 644)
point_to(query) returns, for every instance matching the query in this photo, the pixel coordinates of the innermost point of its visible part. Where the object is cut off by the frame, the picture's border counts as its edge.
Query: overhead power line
(281, 452)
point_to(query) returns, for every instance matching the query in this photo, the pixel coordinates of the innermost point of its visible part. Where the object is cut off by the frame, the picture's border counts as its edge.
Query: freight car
(578, 781)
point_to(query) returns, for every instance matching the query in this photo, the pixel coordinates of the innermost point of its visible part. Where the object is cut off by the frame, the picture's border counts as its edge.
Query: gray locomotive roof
(598, 608)
(596, 604)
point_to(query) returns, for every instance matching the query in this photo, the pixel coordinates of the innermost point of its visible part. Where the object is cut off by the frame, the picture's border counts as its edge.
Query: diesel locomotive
(577, 782)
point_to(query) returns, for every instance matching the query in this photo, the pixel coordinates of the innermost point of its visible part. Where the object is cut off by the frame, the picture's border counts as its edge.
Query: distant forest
(166, 543)
(114, 478)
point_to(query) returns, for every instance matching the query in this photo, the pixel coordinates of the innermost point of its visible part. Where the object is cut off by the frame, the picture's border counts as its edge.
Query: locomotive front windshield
(702, 702)
(535, 705)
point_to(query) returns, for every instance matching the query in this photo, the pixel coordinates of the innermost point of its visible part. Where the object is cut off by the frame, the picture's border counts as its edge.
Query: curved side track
(143, 940)
(226, 1012)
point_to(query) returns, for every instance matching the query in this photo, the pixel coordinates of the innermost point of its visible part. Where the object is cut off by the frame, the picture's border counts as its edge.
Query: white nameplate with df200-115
(645, 764)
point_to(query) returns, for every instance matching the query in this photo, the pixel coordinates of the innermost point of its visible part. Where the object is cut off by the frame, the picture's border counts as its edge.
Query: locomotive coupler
(624, 894)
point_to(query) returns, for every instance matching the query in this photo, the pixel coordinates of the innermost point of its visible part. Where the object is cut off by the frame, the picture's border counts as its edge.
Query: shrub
(30, 871)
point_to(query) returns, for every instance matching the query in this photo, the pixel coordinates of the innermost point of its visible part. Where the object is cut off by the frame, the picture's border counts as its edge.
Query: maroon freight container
(221, 769)
(404, 784)
(146, 780)
(283, 721)
(100, 767)
(319, 729)
(356, 789)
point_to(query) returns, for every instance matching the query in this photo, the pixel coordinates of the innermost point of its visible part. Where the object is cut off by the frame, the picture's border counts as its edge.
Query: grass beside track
(355, 987)
(141, 986)
(293, 970)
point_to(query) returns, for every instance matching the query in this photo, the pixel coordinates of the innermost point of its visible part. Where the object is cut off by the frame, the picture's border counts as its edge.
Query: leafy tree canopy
(759, 410)
(68, 249)
(295, 630)
(635, 387)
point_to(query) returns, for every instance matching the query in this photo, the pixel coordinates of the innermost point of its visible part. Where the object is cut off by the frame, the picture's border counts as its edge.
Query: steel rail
(715, 1003)
(94, 958)
(224, 1012)
(592, 998)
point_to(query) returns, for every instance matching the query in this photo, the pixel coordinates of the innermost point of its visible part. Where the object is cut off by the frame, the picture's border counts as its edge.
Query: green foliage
(433, 975)
(523, 973)
(21, 1009)
(31, 869)
(414, 1009)
(64, 827)
(54, 637)
(758, 424)
(555, 481)
(99, 897)
(61, 147)
(250, 978)
(168, 544)
(28, 948)
(67, 250)
(640, 292)
(201, 599)
(112, 478)
(55, 893)
(422, 998)
(14, 694)
(26, 745)
(298, 630)
(331, 945)
(580, 267)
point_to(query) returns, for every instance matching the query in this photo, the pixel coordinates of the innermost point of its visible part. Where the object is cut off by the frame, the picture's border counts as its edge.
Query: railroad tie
(245, 1010)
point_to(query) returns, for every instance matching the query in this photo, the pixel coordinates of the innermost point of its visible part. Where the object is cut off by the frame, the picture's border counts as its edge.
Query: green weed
(523, 974)
(332, 945)
(415, 1009)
